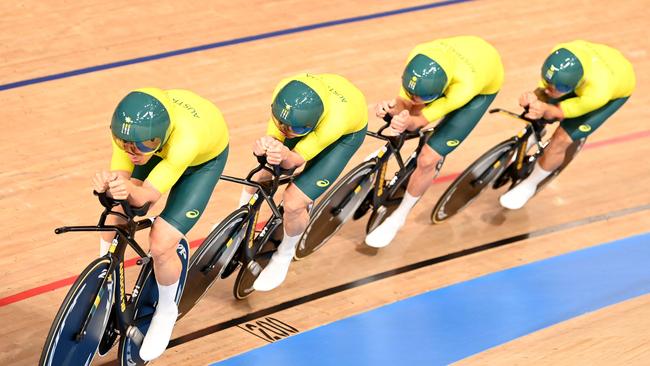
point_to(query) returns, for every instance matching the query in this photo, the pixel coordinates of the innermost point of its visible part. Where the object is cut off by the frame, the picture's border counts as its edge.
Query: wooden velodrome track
(55, 136)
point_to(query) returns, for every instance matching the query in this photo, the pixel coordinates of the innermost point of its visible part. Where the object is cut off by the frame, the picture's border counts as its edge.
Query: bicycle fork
(101, 292)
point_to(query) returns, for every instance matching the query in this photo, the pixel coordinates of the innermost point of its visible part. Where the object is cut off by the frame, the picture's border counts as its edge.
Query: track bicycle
(97, 310)
(365, 188)
(510, 161)
(235, 243)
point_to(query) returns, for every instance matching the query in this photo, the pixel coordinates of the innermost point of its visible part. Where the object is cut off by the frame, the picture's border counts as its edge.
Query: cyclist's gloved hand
(118, 188)
(262, 144)
(276, 153)
(399, 123)
(384, 107)
(101, 179)
(536, 109)
(526, 99)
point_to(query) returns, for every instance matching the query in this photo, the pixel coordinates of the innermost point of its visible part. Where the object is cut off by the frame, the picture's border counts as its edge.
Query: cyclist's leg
(570, 130)
(185, 205)
(248, 192)
(317, 176)
(451, 132)
(574, 129)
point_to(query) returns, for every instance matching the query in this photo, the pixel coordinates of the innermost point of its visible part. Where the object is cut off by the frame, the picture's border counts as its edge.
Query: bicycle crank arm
(136, 335)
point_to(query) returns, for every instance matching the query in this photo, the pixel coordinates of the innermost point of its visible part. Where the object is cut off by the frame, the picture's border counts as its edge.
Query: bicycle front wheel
(250, 271)
(144, 304)
(471, 182)
(211, 258)
(65, 345)
(336, 208)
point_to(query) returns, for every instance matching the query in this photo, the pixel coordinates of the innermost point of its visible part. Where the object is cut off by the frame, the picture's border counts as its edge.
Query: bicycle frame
(125, 237)
(266, 189)
(393, 147)
(534, 128)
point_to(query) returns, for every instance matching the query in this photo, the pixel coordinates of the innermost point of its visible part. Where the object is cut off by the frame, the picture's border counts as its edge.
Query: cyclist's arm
(592, 99)
(293, 160)
(552, 112)
(416, 118)
(312, 144)
(139, 192)
(140, 195)
(541, 95)
(456, 96)
(273, 131)
(401, 103)
(167, 172)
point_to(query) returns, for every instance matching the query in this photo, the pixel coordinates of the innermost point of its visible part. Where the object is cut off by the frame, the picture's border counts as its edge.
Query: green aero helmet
(141, 121)
(425, 78)
(563, 70)
(298, 107)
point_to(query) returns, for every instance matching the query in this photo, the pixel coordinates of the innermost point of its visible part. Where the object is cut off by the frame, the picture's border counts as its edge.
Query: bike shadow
(362, 248)
(495, 217)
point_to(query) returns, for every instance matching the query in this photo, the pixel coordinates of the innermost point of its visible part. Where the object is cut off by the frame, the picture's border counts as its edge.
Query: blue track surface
(452, 323)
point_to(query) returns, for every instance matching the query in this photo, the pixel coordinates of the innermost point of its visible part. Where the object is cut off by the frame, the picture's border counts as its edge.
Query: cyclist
(317, 120)
(583, 84)
(165, 140)
(455, 79)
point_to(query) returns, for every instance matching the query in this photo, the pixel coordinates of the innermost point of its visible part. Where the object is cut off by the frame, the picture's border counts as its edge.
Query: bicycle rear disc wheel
(62, 346)
(328, 217)
(472, 181)
(218, 248)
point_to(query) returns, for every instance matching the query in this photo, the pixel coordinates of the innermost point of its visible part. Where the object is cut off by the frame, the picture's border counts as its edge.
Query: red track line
(68, 281)
(618, 140)
(62, 283)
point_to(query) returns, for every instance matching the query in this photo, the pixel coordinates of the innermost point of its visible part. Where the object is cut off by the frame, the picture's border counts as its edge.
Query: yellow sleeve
(315, 142)
(273, 131)
(165, 175)
(590, 99)
(456, 96)
(120, 160)
(171, 167)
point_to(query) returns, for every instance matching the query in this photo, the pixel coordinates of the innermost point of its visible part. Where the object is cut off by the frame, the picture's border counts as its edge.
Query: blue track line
(230, 42)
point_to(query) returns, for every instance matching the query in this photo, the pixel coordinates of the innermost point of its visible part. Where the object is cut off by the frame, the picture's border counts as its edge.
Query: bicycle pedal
(254, 268)
(135, 334)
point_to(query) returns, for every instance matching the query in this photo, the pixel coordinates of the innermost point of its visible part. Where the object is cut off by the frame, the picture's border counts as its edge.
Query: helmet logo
(126, 125)
(551, 70)
(285, 111)
(412, 82)
(323, 183)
